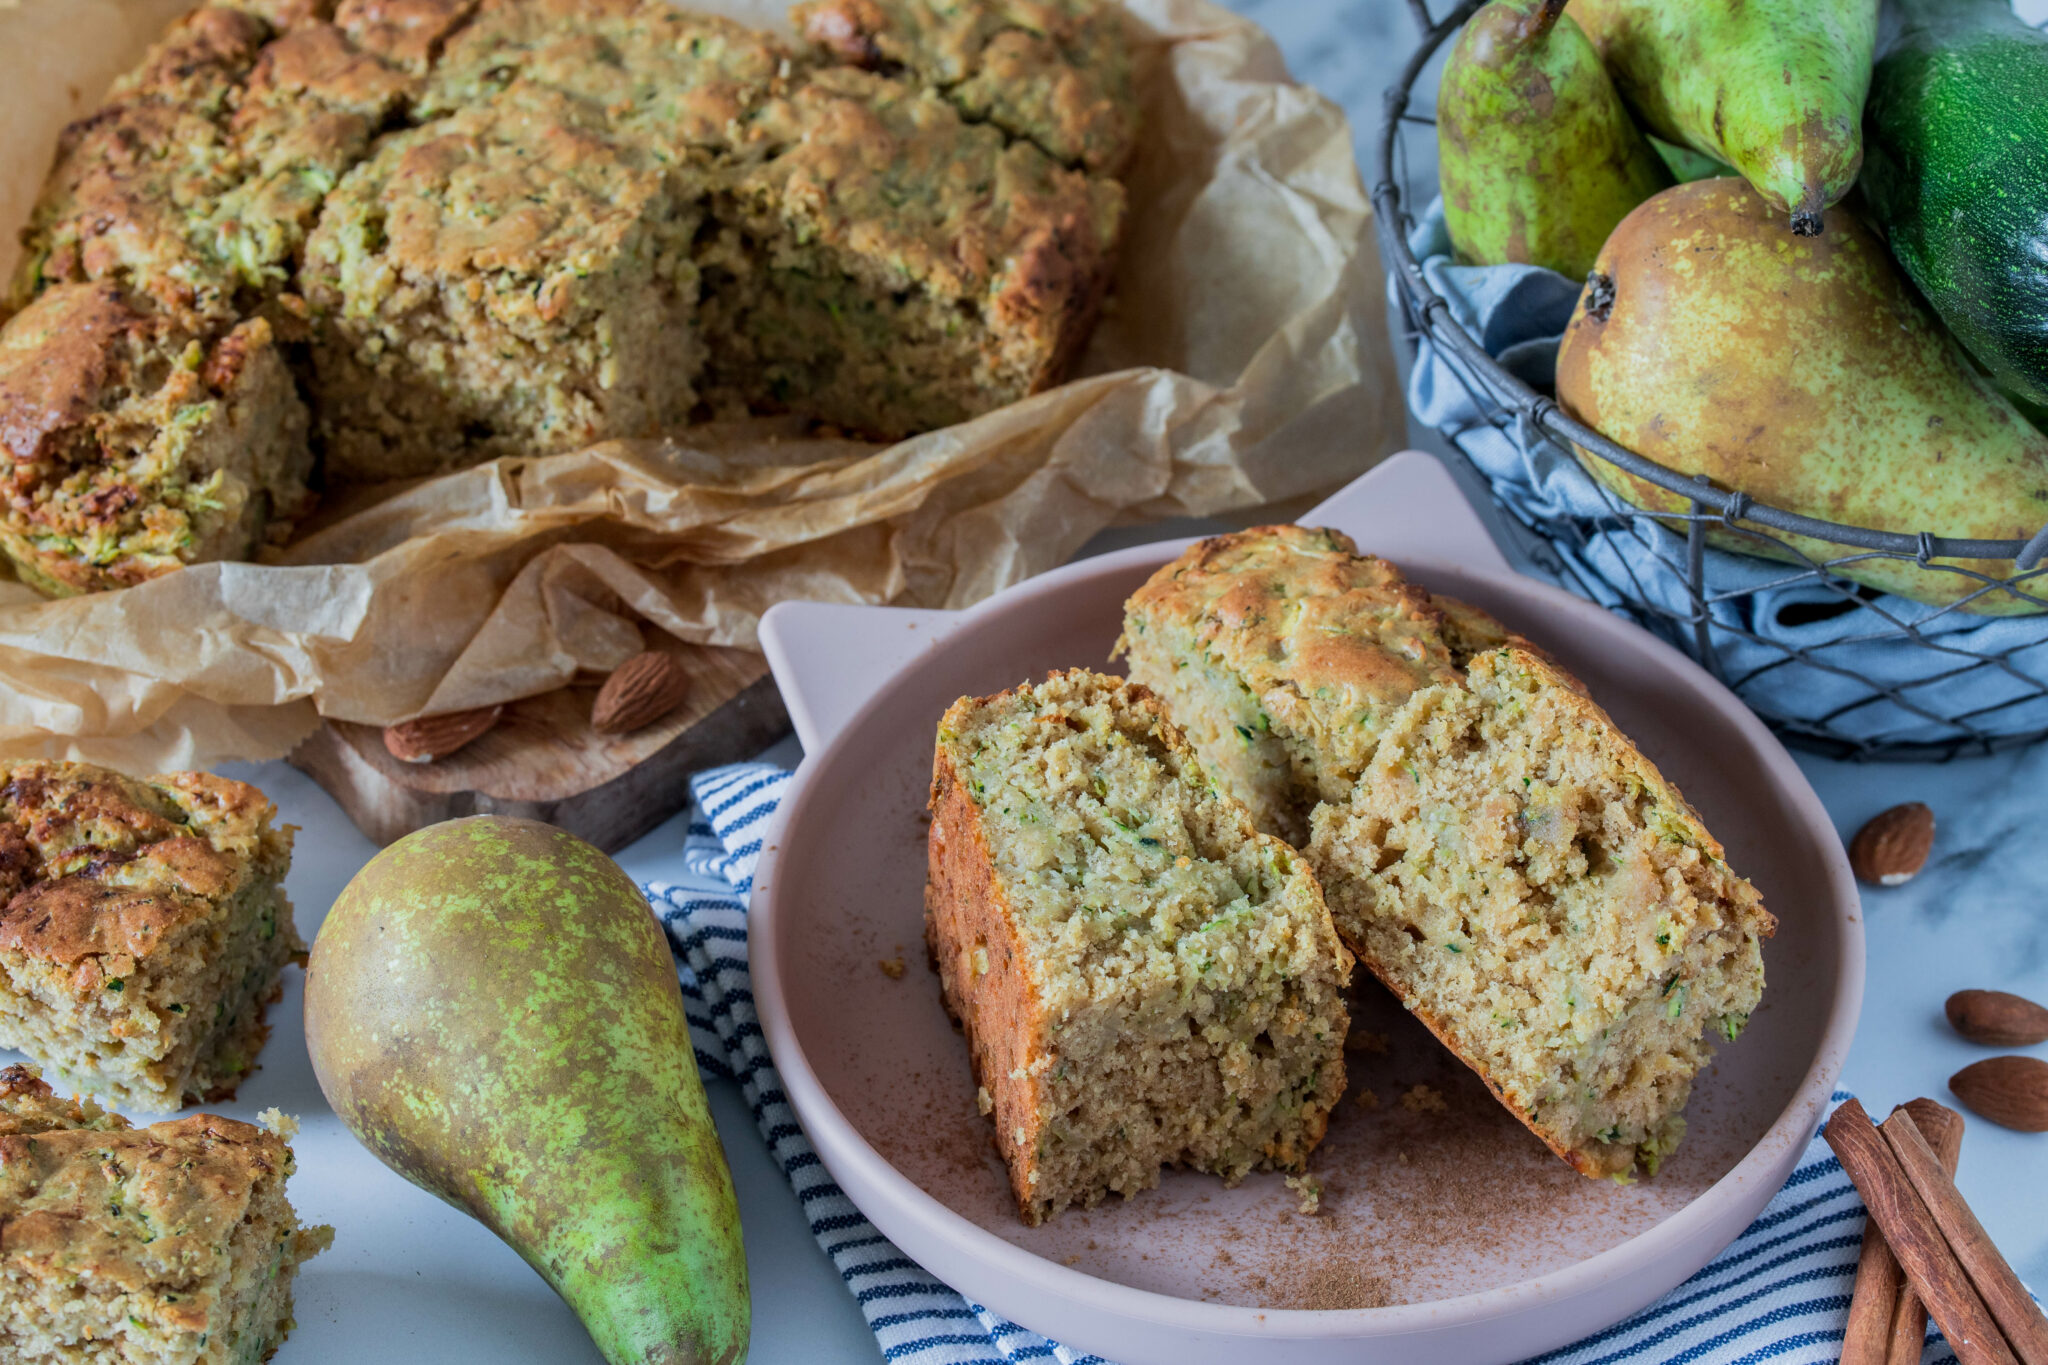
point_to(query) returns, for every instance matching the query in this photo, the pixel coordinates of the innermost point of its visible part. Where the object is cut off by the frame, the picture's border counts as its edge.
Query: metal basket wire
(1935, 719)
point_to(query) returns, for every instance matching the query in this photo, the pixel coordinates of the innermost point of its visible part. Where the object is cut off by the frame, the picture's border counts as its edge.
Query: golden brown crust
(54, 361)
(1055, 73)
(140, 1205)
(111, 868)
(28, 1105)
(996, 1005)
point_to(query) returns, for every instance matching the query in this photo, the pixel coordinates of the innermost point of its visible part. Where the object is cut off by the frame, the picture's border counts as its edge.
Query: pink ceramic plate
(1446, 1236)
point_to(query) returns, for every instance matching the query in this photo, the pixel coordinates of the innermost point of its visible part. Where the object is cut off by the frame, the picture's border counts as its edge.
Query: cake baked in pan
(1492, 847)
(167, 1245)
(480, 227)
(143, 927)
(1144, 980)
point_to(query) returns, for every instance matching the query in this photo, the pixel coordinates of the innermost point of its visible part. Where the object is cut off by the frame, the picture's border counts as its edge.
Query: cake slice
(1549, 905)
(1143, 979)
(168, 1245)
(130, 447)
(143, 928)
(1492, 846)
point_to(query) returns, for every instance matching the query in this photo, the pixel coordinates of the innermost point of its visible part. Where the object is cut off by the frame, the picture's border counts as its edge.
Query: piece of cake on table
(143, 928)
(167, 1245)
(1492, 846)
(1143, 978)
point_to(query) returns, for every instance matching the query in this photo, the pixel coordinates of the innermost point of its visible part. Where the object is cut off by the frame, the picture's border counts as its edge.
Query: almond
(2010, 1091)
(639, 692)
(435, 737)
(1998, 1018)
(1894, 845)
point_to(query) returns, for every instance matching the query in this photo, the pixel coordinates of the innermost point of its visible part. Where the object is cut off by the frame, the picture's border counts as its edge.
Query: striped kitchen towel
(1780, 1293)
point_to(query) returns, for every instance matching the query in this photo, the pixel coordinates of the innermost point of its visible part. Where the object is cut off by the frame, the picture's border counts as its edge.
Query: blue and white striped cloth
(1780, 1293)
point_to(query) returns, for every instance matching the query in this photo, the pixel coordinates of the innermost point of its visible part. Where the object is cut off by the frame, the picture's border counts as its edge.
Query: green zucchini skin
(1955, 172)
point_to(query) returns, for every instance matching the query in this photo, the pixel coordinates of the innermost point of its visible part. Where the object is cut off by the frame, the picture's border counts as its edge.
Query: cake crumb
(1368, 1100)
(1310, 1191)
(1365, 1040)
(1402, 1157)
(276, 1121)
(1072, 1260)
(892, 967)
(1423, 1100)
(983, 1101)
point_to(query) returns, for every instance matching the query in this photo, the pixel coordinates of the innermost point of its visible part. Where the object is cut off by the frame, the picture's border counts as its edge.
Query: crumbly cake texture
(1493, 848)
(144, 929)
(1541, 897)
(1283, 653)
(167, 1245)
(1144, 980)
(130, 446)
(481, 227)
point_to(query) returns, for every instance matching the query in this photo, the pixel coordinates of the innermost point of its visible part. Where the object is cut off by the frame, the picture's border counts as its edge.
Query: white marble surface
(410, 1279)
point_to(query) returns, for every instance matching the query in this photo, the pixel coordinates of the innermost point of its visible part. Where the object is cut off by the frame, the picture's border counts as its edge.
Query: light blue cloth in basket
(1518, 313)
(1780, 1293)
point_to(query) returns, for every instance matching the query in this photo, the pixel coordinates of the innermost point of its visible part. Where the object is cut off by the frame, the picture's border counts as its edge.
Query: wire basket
(1831, 665)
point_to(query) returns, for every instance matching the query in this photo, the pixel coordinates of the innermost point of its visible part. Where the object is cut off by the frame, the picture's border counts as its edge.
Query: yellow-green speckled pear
(492, 1010)
(1774, 88)
(1804, 372)
(1538, 158)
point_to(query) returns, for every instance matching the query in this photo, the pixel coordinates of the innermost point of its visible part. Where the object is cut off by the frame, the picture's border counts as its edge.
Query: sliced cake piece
(889, 266)
(168, 1245)
(1547, 903)
(1282, 653)
(1144, 980)
(143, 927)
(130, 447)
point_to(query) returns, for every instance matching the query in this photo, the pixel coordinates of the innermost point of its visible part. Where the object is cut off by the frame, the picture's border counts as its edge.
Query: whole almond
(1893, 845)
(434, 737)
(2010, 1091)
(1998, 1018)
(639, 692)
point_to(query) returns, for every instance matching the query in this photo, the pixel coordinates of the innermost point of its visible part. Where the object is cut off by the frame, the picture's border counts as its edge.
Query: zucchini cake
(130, 446)
(1492, 847)
(484, 227)
(143, 928)
(1144, 980)
(167, 1245)
(1282, 653)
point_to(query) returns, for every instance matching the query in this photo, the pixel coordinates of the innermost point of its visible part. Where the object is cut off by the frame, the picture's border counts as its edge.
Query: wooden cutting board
(542, 761)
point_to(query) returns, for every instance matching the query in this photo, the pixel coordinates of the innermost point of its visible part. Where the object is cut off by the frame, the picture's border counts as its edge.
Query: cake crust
(160, 1244)
(144, 927)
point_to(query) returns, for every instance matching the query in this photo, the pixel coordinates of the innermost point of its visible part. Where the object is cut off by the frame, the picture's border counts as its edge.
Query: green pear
(492, 1010)
(1805, 372)
(1773, 88)
(1538, 158)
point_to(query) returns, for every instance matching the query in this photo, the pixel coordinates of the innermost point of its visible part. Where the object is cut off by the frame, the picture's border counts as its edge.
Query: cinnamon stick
(1873, 1307)
(2024, 1327)
(1908, 1226)
(1943, 1129)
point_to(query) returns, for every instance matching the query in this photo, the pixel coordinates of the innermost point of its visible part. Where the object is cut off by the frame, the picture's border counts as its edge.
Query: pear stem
(1539, 24)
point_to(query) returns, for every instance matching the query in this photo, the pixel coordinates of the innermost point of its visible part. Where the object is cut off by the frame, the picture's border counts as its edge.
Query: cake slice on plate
(1143, 978)
(1493, 847)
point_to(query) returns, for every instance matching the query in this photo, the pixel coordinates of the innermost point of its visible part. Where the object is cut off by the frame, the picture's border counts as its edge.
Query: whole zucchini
(1955, 170)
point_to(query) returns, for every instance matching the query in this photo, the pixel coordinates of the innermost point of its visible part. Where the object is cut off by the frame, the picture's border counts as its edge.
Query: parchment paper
(1243, 359)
